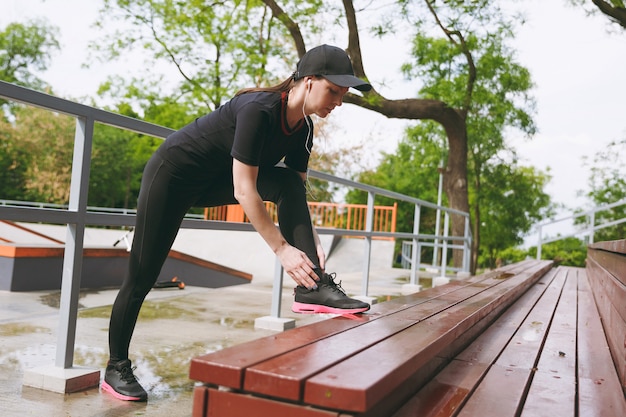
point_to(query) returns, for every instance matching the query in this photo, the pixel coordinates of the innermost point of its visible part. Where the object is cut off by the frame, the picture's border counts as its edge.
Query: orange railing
(333, 215)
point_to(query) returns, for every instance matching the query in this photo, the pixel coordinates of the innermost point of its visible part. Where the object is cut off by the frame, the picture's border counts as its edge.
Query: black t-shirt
(250, 127)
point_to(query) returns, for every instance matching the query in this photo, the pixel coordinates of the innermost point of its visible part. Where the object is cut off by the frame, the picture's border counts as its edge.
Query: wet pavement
(174, 326)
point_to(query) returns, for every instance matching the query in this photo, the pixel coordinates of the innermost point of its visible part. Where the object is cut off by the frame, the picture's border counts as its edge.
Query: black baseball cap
(331, 63)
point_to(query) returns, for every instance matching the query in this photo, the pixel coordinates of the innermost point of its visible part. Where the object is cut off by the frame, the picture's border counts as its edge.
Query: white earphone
(310, 81)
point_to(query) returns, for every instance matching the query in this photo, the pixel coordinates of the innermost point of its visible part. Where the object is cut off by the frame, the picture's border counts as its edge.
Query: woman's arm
(295, 262)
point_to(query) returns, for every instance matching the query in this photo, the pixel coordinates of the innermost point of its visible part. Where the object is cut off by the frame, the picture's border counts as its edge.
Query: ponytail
(284, 86)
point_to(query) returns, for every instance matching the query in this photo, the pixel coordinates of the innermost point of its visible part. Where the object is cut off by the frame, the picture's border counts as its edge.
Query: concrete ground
(174, 325)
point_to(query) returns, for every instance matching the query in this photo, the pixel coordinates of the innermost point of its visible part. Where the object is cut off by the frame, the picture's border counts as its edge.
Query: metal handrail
(77, 214)
(588, 229)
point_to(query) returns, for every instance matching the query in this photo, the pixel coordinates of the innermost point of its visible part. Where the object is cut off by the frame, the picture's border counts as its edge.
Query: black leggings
(164, 199)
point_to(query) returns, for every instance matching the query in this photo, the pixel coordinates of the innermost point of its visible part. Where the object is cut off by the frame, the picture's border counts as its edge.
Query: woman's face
(323, 96)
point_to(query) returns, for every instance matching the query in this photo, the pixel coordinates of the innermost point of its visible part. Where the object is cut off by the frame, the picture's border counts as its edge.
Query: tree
(511, 201)
(200, 42)
(413, 169)
(607, 184)
(215, 48)
(615, 10)
(39, 148)
(26, 49)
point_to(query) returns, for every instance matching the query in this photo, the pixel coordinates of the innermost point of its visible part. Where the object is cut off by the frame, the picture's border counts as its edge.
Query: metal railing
(76, 215)
(587, 229)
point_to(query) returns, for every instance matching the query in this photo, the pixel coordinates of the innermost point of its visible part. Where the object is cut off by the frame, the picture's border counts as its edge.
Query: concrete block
(278, 324)
(64, 381)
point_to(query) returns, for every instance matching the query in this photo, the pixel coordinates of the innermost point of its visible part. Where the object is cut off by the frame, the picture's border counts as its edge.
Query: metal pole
(369, 225)
(415, 248)
(539, 243)
(73, 257)
(467, 247)
(277, 289)
(444, 252)
(438, 218)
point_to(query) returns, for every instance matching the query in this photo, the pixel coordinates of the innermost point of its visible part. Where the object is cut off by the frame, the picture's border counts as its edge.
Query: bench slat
(553, 388)
(598, 385)
(231, 404)
(355, 385)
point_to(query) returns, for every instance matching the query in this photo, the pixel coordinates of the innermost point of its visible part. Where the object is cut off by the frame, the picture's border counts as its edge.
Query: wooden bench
(547, 355)
(370, 365)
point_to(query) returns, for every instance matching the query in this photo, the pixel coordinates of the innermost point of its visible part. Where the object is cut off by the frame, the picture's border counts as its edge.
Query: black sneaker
(120, 381)
(328, 297)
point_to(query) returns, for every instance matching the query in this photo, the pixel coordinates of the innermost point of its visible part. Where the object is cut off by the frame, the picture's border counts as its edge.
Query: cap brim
(349, 81)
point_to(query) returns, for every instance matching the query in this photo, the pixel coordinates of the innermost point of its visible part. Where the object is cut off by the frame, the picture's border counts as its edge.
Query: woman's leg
(161, 207)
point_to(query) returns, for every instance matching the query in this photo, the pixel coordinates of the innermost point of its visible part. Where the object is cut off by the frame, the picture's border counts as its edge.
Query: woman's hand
(297, 265)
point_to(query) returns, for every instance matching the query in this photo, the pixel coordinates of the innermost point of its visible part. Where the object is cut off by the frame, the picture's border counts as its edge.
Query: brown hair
(284, 86)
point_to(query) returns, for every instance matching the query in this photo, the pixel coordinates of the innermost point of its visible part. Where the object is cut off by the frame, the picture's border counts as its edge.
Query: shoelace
(127, 374)
(333, 285)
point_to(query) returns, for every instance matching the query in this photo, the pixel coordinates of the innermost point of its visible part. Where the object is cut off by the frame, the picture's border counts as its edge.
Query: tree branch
(618, 14)
(291, 26)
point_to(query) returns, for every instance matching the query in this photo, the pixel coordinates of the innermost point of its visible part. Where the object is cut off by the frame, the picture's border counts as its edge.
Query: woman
(229, 156)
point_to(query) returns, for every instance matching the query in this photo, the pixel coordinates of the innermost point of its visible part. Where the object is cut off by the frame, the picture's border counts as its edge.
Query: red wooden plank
(226, 367)
(523, 349)
(445, 393)
(498, 394)
(284, 376)
(553, 388)
(606, 287)
(551, 396)
(231, 404)
(200, 401)
(356, 385)
(617, 246)
(599, 390)
(558, 356)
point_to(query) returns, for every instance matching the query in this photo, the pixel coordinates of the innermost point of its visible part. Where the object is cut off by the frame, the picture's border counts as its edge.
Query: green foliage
(25, 49)
(212, 49)
(507, 256)
(38, 160)
(511, 199)
(567, 252)
(607, 184)
(412, 170)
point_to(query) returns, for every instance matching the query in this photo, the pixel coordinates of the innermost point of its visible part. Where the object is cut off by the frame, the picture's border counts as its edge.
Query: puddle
(45, 354)
(150, 310)
(17, 329)
(164, 373)
(235, 323)
(53, 299)
(533, 332)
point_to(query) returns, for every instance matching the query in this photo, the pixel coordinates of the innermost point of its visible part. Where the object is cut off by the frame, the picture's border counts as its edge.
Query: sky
(577, 66)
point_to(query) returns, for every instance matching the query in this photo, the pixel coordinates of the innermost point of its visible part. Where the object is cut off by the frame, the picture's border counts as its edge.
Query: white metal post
(415, 252)
(73, 257)
(369, 226)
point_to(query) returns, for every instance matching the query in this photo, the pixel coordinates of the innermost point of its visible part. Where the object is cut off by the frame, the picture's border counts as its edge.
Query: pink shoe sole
(317, 308)
(107, 388)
